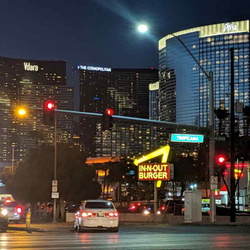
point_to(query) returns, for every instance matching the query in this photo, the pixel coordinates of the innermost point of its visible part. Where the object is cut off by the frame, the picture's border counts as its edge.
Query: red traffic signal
(49, 105)
(109, 111)
(220, 159)
(48, 112)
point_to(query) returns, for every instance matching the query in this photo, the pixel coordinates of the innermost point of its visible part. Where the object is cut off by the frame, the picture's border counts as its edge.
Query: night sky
(103, 32)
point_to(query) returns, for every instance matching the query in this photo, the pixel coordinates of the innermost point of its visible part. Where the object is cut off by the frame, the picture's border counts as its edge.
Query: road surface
(132, 236)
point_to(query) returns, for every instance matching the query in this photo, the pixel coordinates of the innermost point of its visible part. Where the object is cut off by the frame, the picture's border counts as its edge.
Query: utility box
(192, 203)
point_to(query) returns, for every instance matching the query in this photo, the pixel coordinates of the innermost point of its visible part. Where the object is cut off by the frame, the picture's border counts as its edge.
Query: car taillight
(19, 210)
(163, 208)
(111, 214)
(132, 207)
(7, 201)
(88, 214)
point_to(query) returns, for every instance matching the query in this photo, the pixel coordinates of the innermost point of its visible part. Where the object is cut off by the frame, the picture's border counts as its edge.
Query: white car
(94, 214)
(11, 210)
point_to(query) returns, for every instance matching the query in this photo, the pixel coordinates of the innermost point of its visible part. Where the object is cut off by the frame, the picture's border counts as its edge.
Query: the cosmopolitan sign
(94, 68)
(154, 172)
(187, 138)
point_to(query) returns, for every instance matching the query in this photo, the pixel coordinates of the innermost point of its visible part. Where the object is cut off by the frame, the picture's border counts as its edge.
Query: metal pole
(232, 143)
(155, 197)
(12, 158)
(211, 146)
(55, 169)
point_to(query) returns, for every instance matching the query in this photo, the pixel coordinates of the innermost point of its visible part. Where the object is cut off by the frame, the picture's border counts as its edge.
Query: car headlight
(4, 212)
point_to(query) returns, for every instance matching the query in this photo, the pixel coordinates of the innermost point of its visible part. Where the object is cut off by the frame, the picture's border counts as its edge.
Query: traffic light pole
(55, 168)
(211, 146)
(232, 143)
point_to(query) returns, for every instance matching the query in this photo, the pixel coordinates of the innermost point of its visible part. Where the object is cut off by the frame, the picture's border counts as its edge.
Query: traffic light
(220, 168)
(107, 122)
(48, 112)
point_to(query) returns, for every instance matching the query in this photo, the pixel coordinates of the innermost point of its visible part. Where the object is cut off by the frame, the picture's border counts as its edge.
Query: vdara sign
(30, 67)
(154, 172)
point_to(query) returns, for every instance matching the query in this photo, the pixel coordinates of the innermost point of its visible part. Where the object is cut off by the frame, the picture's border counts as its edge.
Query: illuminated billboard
(154, 172)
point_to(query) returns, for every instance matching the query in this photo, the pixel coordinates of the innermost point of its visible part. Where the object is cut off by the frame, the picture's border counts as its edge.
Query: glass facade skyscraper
(184, 90)
(154, 101)
(124, 90)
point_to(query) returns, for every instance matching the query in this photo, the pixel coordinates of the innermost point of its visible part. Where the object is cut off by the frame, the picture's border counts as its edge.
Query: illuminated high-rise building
(184, 90)
(124, 90)
(29, 83)
(154, 91)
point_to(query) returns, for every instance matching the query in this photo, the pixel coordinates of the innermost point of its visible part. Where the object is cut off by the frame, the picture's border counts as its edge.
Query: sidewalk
(68, 226)
(42, 227)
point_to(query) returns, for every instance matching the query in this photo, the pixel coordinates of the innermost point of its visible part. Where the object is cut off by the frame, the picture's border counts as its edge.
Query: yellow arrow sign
(164, 151)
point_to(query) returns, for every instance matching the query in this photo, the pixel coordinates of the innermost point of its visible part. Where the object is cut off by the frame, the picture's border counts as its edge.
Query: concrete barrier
(167, 218)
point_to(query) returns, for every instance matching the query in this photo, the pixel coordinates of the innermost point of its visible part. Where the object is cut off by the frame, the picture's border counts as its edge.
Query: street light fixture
(21, 111)
(142, 28)
(209, 77)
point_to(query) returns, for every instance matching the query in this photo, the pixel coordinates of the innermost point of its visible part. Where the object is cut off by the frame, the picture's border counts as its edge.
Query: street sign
(54, 183)
(55, 195)
(189, 138)
(54, 189)
(213, 182)
(220, 138)
(213, 186)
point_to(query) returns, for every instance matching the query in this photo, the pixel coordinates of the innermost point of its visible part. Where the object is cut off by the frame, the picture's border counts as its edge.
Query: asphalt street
(130, 236)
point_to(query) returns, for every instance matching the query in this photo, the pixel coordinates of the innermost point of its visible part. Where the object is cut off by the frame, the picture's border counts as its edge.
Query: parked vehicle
(175, 206)
(96, 214)
(12, 210)
(136, 207)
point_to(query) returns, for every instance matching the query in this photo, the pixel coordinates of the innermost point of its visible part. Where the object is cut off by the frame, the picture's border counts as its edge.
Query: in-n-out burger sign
(30, 67)
(153, 172)
(229, 27)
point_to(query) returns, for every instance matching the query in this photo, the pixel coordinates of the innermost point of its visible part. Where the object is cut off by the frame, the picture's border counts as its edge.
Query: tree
(32, 180)
(184, 171)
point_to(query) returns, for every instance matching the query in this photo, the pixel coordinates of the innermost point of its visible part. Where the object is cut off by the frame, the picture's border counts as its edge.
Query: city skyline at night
(103, 33)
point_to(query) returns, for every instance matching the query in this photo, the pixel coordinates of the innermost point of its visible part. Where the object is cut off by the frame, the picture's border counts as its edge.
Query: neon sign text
(94, 68)
(30, 67)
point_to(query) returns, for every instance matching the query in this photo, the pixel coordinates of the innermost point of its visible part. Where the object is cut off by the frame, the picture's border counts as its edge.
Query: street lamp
(55, 181)
(142, 28)
(21, 111)
(209, 77)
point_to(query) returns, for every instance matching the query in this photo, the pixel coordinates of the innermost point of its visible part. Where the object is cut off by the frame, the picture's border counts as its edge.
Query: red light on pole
(221, 159)
(49, 105)
(109, 111)
(107, 122)
(48, 112)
